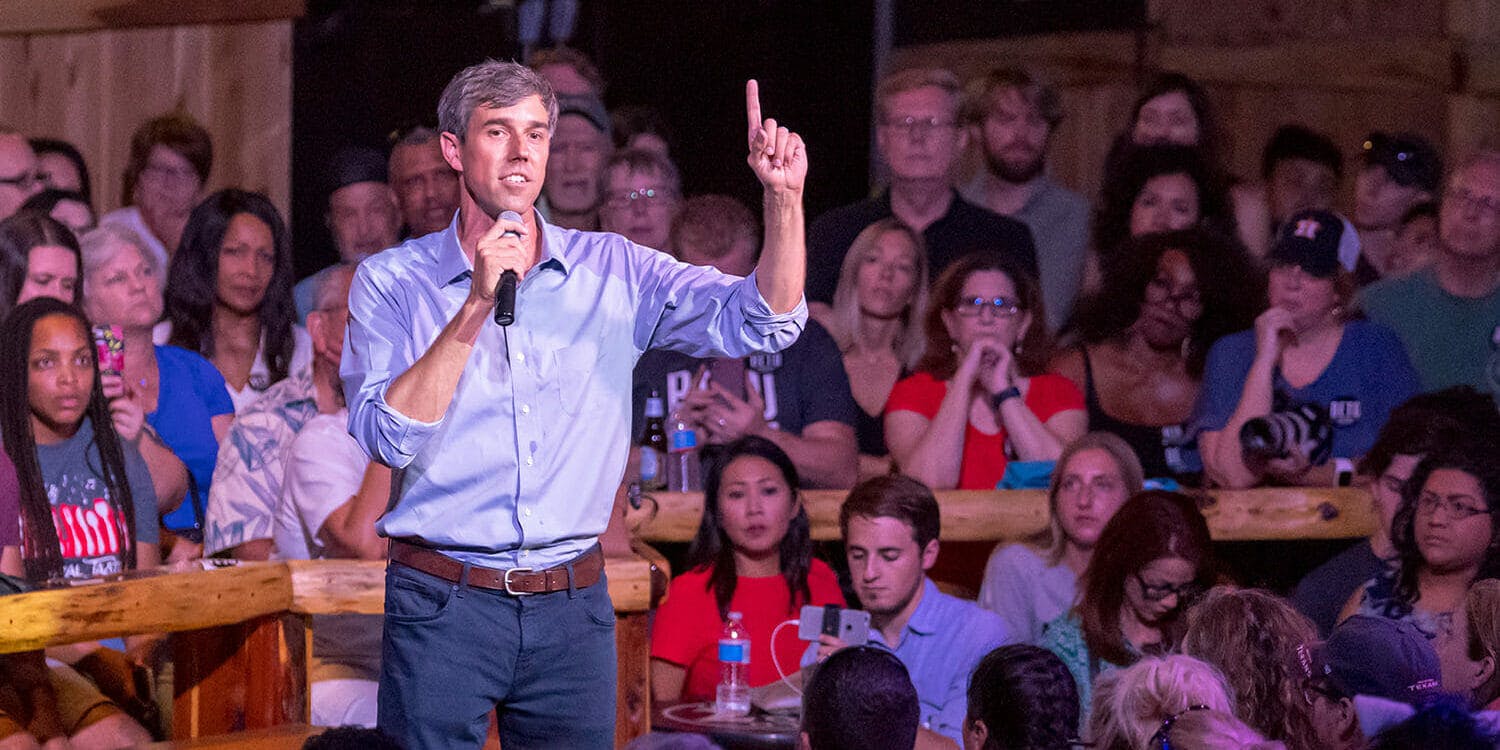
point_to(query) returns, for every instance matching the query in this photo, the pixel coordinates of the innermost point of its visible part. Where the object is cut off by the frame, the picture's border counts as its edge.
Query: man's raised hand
(777, 155)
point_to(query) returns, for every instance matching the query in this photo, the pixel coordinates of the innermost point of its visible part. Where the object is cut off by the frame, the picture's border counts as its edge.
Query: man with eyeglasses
(919, 137)
(1448, 315)
(18, 172)
(640, 197)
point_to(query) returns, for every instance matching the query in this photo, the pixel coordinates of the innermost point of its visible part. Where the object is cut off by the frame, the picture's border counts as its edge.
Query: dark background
(363, 69)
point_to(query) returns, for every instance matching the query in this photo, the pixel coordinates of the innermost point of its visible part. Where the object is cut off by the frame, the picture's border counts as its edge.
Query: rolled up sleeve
(702, 312)
(375, 352)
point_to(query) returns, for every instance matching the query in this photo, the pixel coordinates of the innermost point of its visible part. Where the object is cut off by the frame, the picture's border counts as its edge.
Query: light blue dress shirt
(521, 471)
(940, 646)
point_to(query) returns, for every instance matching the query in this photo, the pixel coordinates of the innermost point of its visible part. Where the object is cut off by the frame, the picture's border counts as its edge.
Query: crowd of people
(169, 391)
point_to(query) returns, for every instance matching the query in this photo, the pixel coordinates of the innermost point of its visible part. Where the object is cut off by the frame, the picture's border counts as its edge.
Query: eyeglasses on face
(647, 197)
(917, 125)
(1158, 591)
(1312, 688)
(1458, 507)
(1162, 737)
(1001, 307)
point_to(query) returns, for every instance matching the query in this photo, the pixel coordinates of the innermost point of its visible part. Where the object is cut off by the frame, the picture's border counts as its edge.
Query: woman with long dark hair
(229, 293)
(38, 258)
(87, 505)
(1152, 559)
(1142, 340)
(1447, 536)
(752, 556)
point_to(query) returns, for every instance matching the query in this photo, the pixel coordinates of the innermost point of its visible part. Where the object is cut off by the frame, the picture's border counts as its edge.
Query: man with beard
(1013, 115)
(920, 138)
(890, 528)
(575, 173)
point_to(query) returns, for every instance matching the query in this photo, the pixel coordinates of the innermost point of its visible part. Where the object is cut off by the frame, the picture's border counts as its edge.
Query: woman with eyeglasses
(170, 158)
(1144, 336)
(1447, 536)
(1151, 561)
(1030, 584)
(980, 397)
(1137, 707)
(1297, 399)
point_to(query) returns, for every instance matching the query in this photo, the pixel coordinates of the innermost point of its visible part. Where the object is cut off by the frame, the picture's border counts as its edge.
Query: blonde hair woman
(876, 319)
(1133, 705)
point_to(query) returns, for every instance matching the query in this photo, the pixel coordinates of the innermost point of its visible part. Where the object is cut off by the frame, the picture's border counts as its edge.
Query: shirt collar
(927, 619)
(452, 266)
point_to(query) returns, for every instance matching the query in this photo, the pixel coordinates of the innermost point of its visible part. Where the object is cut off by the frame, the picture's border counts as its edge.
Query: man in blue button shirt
(511, 441)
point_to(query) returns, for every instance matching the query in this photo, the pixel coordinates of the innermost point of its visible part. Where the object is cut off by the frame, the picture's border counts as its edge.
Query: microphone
(505, 291)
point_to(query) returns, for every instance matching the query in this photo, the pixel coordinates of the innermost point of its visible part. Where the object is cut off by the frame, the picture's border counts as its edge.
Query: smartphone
(729, 373)
(852, 626)
(109, 341)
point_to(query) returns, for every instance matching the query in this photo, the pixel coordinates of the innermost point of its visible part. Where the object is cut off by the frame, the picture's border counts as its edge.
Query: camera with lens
(1306, 429)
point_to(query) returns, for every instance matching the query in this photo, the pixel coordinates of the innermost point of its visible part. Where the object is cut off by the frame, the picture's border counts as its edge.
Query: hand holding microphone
(502, 248)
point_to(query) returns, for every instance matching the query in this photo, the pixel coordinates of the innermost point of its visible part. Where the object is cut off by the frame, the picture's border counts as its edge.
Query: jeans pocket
(597, 604)
(413, 597)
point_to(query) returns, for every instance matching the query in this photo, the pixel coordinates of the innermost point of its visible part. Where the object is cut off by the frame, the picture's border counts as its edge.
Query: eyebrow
(513, 123)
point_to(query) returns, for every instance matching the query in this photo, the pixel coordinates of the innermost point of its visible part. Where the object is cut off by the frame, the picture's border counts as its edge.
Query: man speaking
(511, 440)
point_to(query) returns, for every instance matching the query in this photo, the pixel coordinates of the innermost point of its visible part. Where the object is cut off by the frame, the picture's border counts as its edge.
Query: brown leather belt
(515, 581)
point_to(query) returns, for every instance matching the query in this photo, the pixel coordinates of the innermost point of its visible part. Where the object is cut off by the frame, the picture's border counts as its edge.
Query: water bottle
(684, 468)
(733, 696)
(654, 446)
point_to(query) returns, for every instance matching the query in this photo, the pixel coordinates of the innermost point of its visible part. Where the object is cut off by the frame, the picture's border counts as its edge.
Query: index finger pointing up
(752, 108)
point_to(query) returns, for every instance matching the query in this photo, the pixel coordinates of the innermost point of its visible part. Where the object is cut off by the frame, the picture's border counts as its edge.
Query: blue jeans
(451, 653)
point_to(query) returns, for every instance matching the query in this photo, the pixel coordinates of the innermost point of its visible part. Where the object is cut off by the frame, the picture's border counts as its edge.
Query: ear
(930, 555)
(950, 322)
(1348, 719)
(1023, 326)
(963, 138)
(976, 733)
(1484, 670)
(452, 151)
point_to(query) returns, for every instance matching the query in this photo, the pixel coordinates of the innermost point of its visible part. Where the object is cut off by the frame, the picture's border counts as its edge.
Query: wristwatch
(1003, 396)
(1343, 472)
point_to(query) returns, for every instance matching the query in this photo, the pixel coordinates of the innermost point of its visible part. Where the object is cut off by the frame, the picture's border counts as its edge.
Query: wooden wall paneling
(1231, 22)
(53, 16)
(95, 88)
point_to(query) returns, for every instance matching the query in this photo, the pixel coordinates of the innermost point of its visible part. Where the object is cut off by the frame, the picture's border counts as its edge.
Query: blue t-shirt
(191, 394)
(1368, 377)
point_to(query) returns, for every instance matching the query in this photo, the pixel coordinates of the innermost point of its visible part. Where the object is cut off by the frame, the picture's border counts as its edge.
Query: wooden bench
(241, 636)
(1281, 514)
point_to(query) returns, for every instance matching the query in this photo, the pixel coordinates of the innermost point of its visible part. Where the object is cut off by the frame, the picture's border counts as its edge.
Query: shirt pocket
(571, 371)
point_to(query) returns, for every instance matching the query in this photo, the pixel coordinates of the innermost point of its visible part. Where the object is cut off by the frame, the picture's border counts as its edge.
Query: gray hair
(491, 83)
(103, 243)
(417, 136)
(324, 296)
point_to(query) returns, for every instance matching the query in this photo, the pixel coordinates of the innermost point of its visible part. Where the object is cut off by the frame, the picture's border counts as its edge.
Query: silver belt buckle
(506, 581)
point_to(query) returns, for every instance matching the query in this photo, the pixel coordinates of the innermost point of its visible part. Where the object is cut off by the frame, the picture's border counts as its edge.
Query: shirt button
(527, 512)
(529, 461)
(520, 356)
(525, 409)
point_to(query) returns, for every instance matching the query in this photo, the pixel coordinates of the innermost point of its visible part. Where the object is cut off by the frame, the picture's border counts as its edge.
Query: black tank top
(1151, 444)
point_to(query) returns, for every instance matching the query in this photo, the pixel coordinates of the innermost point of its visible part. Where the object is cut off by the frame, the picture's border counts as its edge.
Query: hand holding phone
(852, 626)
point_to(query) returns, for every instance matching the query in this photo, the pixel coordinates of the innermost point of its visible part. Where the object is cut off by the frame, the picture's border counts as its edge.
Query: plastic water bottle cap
(736, 616)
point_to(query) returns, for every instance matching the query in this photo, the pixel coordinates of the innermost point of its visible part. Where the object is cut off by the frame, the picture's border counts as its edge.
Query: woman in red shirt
(752, 555)
(980, 398)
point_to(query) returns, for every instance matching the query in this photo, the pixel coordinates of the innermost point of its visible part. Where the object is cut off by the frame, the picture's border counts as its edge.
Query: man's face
(1014, 136)
(1300, 185)
(325, 325)
(1469, 219)
(885, 563)
(503, 157)
(576, 165)
(426, 187)
(919, 134)
(18, 174)
(1379, 201)
(639, 205)
(363, 219)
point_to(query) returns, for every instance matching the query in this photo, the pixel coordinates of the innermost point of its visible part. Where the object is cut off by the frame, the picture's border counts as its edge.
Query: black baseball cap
(1310, 239)
(355, 164)
(586, 106)
(1409, 159)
